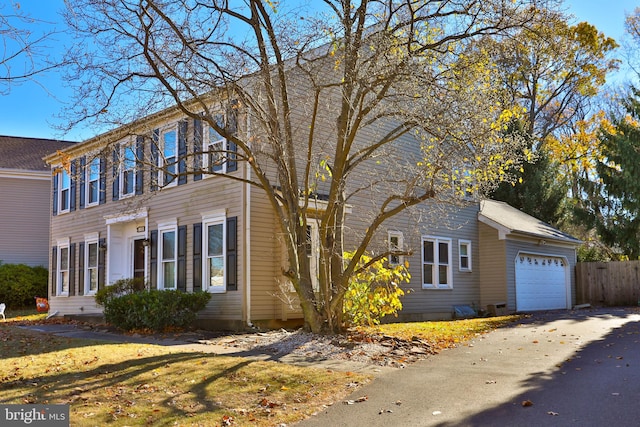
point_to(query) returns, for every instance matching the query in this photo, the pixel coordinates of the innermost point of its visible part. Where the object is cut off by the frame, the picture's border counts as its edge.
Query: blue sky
(32, 109)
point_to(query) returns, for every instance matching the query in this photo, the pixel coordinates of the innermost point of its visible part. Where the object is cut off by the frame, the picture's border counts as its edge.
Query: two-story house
(122, 206)
(142, 201)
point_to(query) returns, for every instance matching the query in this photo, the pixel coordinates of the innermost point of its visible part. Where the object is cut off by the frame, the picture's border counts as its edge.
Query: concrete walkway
(572, 368)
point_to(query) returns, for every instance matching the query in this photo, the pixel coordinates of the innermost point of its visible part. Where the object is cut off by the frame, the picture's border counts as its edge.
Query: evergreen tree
(536, 189)
(613, 201)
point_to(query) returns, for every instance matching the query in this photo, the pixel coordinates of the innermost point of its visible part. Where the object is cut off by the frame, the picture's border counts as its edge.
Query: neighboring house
(25, 182)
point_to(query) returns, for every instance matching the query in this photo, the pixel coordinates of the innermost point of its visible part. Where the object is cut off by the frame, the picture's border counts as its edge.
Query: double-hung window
(168, 251)
(168, 160)
(214, 243)
(64, 195)
(214, 149)
(127, 170)
(63, 267)
(464, 252)
(395, 240)
(436, 263)
(91, 264)
(92, 177)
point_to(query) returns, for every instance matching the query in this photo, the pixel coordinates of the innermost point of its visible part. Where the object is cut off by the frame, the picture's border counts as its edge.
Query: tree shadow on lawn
(158, 380)
(598, 385)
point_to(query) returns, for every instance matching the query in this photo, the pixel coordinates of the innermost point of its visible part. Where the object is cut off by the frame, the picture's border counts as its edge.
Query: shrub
(128, 306)
(20, 284)
(119, 288)
(373, 291)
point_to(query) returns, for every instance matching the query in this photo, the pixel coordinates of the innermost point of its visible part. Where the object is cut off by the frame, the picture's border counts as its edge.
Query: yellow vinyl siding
(493, 276)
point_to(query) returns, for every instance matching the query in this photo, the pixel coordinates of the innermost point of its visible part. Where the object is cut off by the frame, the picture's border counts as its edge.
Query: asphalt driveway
(578, 368)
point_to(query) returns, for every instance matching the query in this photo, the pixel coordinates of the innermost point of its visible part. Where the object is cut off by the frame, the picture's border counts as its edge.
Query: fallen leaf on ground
(358, 400)
(526, 403)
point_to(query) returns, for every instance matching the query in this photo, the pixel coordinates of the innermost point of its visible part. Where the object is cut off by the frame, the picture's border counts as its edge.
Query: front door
(138, 258)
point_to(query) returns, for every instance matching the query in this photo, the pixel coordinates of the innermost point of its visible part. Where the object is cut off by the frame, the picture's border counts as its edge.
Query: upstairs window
(464, 182)
(214, 149)
(167, 162)
(92, 172)
(436, 263)
(127, 170)
(64, 195)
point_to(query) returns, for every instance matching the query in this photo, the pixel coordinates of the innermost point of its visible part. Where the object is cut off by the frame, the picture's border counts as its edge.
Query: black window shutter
(83, 166)
(72, 269)
(54, 270)
(81, 268)
(56, 179)
(139, 164)
(182, 152)
(154, 160)
(153, 256)
(103, 181)
(232, 254)
(116, 175)
(182, 258)
(102, 252)
(197, 148)
(72, 186)
(197, 257)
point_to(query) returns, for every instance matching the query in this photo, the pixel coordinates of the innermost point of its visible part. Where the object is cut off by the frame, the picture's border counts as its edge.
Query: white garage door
(541, 282)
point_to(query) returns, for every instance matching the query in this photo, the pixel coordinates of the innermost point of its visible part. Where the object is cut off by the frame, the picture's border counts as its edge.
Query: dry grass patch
(442, 334)
(138, 384)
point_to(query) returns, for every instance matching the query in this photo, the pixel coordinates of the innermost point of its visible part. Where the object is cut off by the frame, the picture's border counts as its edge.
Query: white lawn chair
(2, 307)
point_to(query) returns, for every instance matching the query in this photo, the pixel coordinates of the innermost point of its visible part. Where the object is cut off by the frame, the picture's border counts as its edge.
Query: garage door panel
(540, 282)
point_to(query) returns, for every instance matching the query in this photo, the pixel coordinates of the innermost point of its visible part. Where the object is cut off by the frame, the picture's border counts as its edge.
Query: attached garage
(524, 263)
(542, 282)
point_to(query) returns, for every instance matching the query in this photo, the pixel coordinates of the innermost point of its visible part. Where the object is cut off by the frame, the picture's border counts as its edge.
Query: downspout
(247, 232)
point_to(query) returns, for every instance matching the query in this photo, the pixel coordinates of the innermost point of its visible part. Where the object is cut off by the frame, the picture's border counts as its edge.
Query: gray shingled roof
(517, 222)
(27, 153)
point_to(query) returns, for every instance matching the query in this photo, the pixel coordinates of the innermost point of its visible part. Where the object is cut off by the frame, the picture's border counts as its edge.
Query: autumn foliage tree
(371, 100)
(554, 70)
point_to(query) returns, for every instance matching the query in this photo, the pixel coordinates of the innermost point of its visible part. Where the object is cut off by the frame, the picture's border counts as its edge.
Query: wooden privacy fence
(608, 283)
